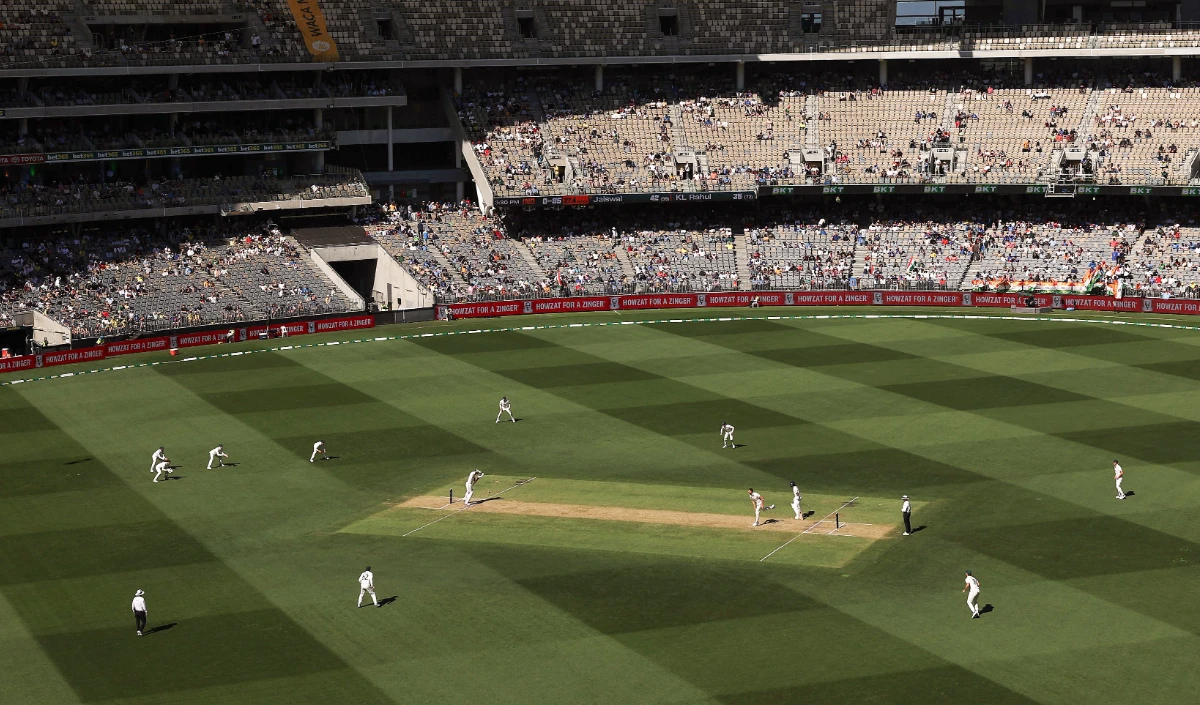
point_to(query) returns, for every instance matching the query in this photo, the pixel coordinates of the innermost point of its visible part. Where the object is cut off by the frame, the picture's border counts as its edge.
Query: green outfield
(613, 560)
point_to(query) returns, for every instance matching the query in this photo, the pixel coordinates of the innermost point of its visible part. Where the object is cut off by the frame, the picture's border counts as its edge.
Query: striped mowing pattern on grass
(1002, 431)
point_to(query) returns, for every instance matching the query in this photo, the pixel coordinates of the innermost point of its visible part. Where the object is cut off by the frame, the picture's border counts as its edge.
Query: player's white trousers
(796, 509)
(972, 598)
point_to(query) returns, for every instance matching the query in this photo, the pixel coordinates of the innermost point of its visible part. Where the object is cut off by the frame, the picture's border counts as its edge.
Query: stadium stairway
(948, 112)
(526, 255)
(626, 265)
(742, 253)
(1086, 123)
(813, 136)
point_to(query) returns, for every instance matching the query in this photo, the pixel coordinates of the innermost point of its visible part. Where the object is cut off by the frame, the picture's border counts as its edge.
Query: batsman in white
(159, 456)
(217, 454)
(163, 468)
(972, 596)
(796, 501)
(727, 435)
(366, 584)
(1119, 477)
(505, 408)
(471, 480)
(757, 500)
(318, 447)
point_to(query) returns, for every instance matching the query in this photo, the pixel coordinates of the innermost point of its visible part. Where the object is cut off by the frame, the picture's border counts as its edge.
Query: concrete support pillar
(173, 122)
(883, 72)
(23, 127)
(1176, 68)
(172, 81)
(599, 78)
(319, 162)
(390, 142)
(458, 80)
(459, 191)
(741, 75)
(319, 118)
(23, 84)
(176, 167)
(1029, 71)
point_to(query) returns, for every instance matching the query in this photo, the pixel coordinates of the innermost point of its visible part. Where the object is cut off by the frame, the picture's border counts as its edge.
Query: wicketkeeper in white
(366, 584)
(972, 596)
(505, 408)
(757, 500)
(163, 468)
(471, 480)
(159, 456)
(1119, 477)
(318, 447)
(796, 501)
(727, 435)
(217, 454)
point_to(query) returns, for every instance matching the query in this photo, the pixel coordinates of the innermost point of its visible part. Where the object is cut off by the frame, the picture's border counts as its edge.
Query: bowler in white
(1119, 477)
(366, 584)
(972, 590)
(318, 447)
(757, 500)
(217, 454)
(471, 480)
(796, 501)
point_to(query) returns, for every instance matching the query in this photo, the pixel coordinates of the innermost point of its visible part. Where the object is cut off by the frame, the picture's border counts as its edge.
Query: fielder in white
(217, 454)
(366, 584)
(1119, 477)
(972, 596)
(505, 408)
(727, 435)
(318, 447)
(163, 468)
(159, 456)
(796, 501)
(471, 480)
(757, 500)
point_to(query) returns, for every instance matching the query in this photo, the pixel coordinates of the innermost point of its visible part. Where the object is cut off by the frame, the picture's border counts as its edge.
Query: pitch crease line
(447, 516)
(760, 560)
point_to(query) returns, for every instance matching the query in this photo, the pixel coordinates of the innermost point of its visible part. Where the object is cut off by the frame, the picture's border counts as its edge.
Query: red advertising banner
(1010, 300)
(17, 159)
(581, 303)
(1101, 303)
(660, 301)
(1187, 307)
(328, 325)
(922, 298)
(188, 340)
(128, 347)
(66, 357)
(14, 364)
(827, 298)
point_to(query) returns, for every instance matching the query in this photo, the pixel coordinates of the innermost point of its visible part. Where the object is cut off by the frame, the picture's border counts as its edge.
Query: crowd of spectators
(112, 281)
